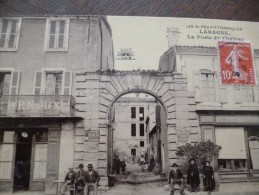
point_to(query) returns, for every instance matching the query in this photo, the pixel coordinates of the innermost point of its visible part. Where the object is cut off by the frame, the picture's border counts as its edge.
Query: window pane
(61, 41)
(141, 113)
(52, 27)
(40, 161)
(6, 157)
(51, 41)
(2, 40)
(4, 28)
(141, 129)
(133, 129)
(11, 41)
(62, 27)
(5, 170)
(133, 112)
(13, 27)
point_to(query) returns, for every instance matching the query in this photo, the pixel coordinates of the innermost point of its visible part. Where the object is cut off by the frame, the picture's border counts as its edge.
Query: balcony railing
(37, 106)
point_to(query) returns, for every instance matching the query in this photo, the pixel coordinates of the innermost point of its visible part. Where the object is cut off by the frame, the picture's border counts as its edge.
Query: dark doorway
(22, 161)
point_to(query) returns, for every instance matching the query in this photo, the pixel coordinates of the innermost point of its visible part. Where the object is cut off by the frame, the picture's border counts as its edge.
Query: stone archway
(96, 93)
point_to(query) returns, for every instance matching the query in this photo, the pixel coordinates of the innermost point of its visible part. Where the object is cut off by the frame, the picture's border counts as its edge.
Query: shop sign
(236, 63)
(92, 136)
(183, 136)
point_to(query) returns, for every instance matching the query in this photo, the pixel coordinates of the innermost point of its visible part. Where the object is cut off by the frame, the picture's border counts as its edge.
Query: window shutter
(67, 83)
(197, 86)
(237, 95)
(37, 83)
(223, 96)
(15, 81)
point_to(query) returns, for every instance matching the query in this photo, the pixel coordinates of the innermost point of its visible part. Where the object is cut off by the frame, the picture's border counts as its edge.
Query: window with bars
(56, 35)
(9, 33)
(208, 87)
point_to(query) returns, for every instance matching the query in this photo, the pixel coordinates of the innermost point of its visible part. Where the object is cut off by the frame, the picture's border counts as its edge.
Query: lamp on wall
(24, 134)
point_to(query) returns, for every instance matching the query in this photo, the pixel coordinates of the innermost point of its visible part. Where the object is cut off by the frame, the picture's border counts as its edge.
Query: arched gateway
(97, 92)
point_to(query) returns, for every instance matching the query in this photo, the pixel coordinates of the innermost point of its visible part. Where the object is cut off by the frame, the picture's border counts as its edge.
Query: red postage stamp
(236, 63)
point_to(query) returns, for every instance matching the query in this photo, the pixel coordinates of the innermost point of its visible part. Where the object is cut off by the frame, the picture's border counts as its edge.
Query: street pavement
(158, 187)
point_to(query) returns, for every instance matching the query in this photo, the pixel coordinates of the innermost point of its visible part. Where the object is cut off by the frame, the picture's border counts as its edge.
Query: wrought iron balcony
(37, 106)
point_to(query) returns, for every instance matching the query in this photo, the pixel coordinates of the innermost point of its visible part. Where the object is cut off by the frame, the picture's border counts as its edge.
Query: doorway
(22, 165)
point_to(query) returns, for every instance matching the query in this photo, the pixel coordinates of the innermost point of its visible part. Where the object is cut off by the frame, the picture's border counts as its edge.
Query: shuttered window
(9, 82)
(208, 87)
(9, 33)
(53, 83)
(57, 35)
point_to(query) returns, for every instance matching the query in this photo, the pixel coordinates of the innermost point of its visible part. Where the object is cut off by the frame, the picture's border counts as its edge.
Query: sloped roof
(215, 9)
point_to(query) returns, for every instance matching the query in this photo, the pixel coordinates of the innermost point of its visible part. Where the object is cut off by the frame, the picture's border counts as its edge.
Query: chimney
(173, 36)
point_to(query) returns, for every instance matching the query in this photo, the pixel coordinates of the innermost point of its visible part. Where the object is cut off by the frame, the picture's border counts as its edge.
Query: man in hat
(91, 179)
(176, 178)
(80, 177)
(69, 180)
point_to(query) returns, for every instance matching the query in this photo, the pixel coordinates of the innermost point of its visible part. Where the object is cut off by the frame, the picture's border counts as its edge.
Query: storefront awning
(232, 141)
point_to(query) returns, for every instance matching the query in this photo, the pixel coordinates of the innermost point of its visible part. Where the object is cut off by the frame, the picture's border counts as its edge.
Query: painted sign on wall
(236, 63)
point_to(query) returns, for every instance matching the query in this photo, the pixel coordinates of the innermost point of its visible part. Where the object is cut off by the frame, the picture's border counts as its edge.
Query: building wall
(90, 48)
(228, 114)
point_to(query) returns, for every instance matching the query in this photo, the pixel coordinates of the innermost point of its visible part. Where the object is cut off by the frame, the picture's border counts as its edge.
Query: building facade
(133, 118)
(39, 58)
(228, 114)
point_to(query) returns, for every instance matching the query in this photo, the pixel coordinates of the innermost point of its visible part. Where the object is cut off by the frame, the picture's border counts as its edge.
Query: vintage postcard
(128, 105)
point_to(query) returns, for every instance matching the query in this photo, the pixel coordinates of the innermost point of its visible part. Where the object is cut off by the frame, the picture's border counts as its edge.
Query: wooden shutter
(67, 81)
(37, 83)
(53, 161)
(15, 81)
(197, 86)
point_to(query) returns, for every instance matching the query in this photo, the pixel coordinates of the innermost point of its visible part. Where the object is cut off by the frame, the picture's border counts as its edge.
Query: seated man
(91, 178)
(69, 181)
(80, 178)
(176, 178)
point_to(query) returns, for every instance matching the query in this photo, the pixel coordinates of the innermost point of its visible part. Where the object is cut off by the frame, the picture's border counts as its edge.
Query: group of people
(81, 180)
(119, 165)
(193, 177)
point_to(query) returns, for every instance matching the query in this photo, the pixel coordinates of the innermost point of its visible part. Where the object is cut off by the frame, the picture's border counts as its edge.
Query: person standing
(176, 178)
(91, 179)
(117, 164)
(123, 167)
(208, 177)
(152, 163)
(193, 178)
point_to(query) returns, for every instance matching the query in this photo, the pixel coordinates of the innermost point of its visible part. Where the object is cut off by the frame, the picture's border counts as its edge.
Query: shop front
(30, 142)
(238, 135)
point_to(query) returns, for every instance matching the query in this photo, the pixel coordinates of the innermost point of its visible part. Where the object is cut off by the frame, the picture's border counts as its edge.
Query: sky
(146, 37)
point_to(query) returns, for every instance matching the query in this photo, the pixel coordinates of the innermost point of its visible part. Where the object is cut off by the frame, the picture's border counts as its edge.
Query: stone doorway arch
(96, 93)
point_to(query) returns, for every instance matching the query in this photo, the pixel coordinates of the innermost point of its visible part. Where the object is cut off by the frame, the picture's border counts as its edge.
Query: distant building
(133, 119)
